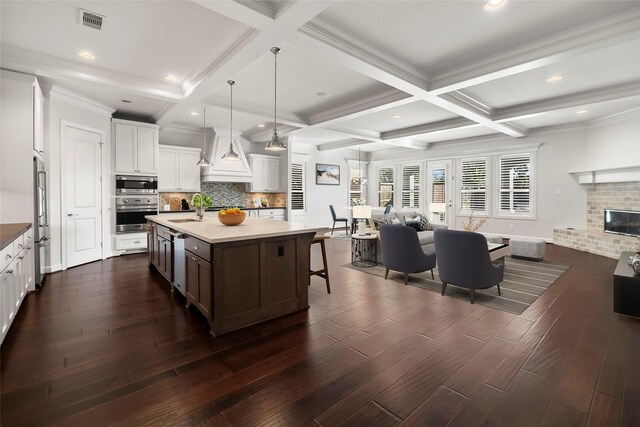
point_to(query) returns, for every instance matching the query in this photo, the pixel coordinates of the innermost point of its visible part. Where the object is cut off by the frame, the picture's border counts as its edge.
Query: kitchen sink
(183, 220)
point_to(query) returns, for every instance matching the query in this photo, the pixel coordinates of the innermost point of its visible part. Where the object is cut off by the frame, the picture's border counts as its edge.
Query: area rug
(524, 281)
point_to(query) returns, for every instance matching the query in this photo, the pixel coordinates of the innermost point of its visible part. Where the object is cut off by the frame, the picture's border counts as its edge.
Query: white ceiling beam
(353, 133)
(335, 49)
(607, 32)
(362, 107)
(458, 122)
(620, 91)
(342, 144)
(407, 143)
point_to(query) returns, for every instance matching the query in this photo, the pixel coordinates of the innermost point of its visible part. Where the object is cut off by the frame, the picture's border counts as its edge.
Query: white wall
(614, 142)
(65, 106)
(319, 197)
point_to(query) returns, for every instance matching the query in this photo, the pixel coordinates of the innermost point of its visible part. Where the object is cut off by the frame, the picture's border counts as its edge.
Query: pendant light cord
(231, 118)
(275, 89)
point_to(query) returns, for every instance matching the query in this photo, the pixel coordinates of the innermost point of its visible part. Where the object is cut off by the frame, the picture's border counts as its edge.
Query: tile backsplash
(228, 194)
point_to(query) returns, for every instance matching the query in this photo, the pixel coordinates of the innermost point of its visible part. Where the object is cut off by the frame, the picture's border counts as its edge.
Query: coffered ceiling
(376, 75)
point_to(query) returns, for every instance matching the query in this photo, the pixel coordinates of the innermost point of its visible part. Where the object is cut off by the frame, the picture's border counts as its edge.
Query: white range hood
(226, 170)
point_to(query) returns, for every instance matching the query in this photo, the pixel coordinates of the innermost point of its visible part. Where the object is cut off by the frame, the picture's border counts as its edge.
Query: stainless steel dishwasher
(179, 274)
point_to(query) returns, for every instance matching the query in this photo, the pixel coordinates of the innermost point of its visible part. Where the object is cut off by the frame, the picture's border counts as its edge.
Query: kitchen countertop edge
(210, 227)
(10, 232)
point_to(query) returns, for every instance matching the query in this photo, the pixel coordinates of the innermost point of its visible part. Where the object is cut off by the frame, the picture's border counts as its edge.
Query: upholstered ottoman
(492, 238)
(527, 247)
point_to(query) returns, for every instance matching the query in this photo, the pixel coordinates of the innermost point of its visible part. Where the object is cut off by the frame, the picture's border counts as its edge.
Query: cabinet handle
(20, 245)
(193, 259)
(28, 247)
(137, 242)
(20, 257)
(9, 271)
(195, 248)
(8, 256)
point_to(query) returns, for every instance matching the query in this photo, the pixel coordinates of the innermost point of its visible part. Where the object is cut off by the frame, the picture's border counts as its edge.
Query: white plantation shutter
(297, 187)
(473, 186)
(516, 178)
(355, 184)
(410, 186)
(385, 186)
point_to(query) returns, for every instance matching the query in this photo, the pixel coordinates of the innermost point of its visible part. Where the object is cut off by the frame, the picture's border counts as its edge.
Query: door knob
(69, 214)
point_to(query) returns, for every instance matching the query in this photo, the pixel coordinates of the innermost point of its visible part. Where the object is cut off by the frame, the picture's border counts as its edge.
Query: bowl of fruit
(231, 216)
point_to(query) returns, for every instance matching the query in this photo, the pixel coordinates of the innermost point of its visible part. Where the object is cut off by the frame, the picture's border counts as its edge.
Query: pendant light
(204, 161)
(275, 144)
(231, 155)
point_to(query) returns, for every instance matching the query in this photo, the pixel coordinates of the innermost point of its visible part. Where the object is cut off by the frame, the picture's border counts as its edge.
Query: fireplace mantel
(598, 176)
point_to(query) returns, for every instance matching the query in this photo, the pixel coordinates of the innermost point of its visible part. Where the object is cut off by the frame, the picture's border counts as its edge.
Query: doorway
(82, 213)
(440, 192)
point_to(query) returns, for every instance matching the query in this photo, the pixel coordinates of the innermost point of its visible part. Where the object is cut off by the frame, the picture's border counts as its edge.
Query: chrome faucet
(199, 210)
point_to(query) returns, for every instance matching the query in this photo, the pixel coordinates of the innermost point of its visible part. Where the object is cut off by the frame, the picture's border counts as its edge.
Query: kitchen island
(235, 276)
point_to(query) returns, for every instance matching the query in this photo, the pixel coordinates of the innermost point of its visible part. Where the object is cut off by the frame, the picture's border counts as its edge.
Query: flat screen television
(622, 222)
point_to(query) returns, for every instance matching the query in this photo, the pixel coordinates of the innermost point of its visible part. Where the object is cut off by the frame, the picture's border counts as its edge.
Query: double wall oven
(136, 197)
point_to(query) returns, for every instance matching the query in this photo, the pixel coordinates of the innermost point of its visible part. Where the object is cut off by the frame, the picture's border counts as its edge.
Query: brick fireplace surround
(619, 195)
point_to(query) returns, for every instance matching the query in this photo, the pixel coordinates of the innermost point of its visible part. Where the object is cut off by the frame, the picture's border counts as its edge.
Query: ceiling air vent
(90, 19)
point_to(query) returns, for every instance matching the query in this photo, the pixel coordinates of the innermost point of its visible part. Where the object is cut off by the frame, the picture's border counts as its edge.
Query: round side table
(363, 250)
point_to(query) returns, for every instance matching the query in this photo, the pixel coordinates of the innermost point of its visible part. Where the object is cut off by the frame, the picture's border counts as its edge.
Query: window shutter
(297, 187)
(385, 186)
(355, 186)
(515, 185)
(410, 186)
(473, 186)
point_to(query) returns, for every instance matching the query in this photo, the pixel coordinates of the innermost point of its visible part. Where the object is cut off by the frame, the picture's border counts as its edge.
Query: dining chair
(336, 219)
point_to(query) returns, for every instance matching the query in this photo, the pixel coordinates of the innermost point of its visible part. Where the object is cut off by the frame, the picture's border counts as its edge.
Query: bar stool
(324, 273)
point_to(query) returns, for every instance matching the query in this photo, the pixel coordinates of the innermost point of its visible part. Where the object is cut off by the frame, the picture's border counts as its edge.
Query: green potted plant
(200, 202)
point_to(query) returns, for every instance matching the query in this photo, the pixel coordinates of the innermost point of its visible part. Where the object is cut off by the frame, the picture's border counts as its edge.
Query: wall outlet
(510, 226)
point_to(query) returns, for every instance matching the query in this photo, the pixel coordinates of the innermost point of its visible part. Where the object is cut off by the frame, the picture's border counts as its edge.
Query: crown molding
(57, 68)
(619, 91)
(616, 118)
(612, 30)
(71, 97)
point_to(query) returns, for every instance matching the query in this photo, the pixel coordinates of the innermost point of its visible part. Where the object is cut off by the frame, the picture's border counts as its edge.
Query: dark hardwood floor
(107, 344)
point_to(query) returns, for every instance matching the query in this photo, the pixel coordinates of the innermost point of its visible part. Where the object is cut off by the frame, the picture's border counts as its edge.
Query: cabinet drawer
(137, 241)
(28, 238)
(270, 212)
(198, 247)
(18, 244)
(164, 232)
(6, 256)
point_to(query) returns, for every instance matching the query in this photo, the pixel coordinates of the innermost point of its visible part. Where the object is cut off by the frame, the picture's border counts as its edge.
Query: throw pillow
(425, 225)
(413, 222)
(388, 219)
(396, 221)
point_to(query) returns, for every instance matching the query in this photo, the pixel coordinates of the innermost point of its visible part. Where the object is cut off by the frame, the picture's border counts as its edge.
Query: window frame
(361, 167)
(417, 191)
(303, 164)
(393, 184)
(532, 212)
(486, 212)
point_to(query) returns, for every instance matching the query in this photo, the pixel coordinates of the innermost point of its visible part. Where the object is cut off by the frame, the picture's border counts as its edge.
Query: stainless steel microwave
(130, 185)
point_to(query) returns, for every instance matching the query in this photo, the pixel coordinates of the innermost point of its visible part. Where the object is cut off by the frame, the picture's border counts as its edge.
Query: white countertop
(212, 231)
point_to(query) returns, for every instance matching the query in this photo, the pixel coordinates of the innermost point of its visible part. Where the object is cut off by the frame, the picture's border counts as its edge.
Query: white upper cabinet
(136, 147)
(38, 118)
(266, 173)
(178, 169)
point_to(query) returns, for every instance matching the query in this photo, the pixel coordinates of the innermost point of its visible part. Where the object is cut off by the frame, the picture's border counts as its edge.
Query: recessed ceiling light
(194, 113)
(86, 54)
(126, 101)
(170, 77)
(582, 112)
(555, 78)
(397, 116)
(492, 5)
(322, 94)
(261, 125)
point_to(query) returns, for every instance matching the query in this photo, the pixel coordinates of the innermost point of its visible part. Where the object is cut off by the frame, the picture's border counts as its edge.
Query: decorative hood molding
(226, 170)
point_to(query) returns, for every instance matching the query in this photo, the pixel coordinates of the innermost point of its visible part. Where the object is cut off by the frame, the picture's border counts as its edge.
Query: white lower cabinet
(131, 241)
(274, 214)
(16, 277)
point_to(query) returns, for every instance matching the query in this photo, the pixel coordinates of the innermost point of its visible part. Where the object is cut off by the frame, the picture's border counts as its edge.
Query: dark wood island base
(238, 283)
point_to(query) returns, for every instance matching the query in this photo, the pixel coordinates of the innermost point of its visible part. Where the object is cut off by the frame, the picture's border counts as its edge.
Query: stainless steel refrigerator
(41, 218)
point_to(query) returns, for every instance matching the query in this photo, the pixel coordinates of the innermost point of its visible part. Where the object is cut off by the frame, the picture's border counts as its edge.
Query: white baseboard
(53, 268)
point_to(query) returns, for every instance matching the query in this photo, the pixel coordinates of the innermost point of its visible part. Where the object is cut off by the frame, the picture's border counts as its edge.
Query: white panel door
(189, 171)
(147, 143)
(126, 154)
(440, 192)
(83, 235)
(168, 170)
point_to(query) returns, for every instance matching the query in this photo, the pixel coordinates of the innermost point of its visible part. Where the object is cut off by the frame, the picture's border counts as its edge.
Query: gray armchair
(463, 260)
(401, 251)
